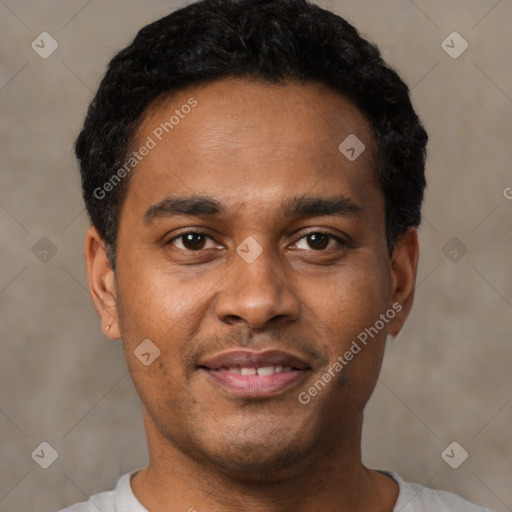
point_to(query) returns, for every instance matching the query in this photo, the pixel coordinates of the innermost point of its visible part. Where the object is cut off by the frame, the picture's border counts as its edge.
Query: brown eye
(193, 241)
(189, 241)
(318, 241)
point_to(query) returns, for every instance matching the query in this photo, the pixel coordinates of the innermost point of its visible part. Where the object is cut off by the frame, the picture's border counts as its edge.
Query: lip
(251, 358)
(217, 368)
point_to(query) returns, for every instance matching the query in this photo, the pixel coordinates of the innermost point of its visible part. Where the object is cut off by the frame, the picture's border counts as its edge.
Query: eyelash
(343, 243)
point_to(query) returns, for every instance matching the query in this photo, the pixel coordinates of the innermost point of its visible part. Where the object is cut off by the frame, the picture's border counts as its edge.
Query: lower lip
(256, 385)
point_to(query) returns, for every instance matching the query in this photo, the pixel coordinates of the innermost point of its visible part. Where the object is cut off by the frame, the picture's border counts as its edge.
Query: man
(254, 174)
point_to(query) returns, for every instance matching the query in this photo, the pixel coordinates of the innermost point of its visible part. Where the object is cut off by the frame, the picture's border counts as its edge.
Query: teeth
(266, 370)
(261, 371)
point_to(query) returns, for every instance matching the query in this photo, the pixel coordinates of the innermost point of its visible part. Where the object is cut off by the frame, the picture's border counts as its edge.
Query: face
(252, 253)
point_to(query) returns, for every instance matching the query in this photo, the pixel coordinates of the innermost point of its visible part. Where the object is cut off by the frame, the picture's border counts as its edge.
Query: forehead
(253, 143)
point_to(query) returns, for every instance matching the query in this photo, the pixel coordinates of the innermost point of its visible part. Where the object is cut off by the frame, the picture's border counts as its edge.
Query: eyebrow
(197, 206)
(300, 206)
(306, 206)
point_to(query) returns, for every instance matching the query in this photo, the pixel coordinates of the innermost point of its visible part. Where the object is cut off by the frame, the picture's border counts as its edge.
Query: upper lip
(249, 358)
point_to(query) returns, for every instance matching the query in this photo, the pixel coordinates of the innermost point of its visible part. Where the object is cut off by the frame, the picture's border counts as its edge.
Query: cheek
(157, 305)
(155, 301)
(153, 321)
(352, 300)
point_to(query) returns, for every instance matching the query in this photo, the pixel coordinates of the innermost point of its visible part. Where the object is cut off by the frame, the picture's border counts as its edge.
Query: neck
(333, 478)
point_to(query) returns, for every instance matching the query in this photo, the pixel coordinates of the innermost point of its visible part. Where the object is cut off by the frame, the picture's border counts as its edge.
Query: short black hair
(275, 41)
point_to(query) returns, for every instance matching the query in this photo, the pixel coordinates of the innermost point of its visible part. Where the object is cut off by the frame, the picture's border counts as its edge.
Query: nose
(256, 293)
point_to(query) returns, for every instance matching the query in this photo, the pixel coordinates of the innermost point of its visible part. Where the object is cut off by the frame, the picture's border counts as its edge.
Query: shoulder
(104, 502)
(418, 498)
(120, 499)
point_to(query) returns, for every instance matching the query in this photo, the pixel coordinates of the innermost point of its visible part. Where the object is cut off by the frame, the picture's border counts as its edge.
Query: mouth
(245, 373)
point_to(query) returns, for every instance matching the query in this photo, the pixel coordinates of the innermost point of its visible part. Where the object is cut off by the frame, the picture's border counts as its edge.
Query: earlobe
(404, 266)
(102, 286)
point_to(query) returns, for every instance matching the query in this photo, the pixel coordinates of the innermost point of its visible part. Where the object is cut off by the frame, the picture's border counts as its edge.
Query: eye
(191, 241)
(319, 241)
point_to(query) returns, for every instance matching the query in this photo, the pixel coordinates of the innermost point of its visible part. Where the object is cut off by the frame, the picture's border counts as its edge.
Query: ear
(404, 266)
(102, 285)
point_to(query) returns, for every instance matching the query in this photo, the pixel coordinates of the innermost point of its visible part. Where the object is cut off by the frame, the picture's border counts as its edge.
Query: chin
(258, 456)
(276, 465)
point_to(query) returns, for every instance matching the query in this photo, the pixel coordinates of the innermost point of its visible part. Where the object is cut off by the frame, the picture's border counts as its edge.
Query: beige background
(446, 378)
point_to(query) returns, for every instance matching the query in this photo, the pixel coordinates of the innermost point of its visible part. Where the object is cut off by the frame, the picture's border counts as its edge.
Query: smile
(255, 374)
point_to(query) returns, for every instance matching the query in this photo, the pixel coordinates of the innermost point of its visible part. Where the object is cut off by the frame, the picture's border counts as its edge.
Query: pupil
(194, 241)
(319, 241)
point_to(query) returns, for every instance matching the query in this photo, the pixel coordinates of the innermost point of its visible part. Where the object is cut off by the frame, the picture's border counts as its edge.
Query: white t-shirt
(411, 498)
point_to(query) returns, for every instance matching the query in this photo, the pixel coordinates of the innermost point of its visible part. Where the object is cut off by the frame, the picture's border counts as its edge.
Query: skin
(252, 147)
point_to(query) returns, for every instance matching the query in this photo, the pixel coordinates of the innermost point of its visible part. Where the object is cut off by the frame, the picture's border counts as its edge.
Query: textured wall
(446, 378)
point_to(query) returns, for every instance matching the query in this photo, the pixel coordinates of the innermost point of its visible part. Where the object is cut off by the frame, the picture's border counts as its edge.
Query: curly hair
(275, 41)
